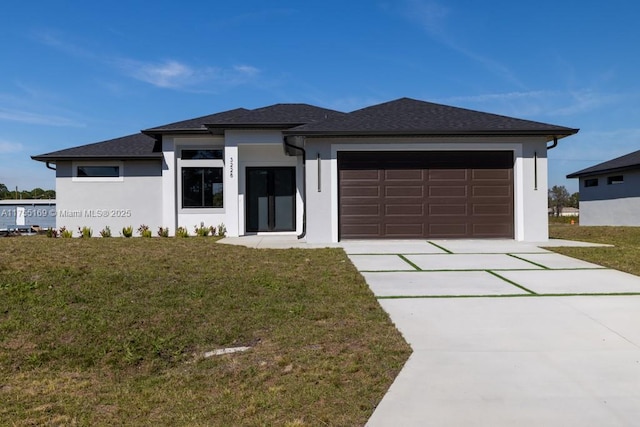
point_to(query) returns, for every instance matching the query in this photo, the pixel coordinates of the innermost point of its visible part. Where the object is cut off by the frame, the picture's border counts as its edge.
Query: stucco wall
(133, 201)
(611, 204)
(623, 211)
(530, 178)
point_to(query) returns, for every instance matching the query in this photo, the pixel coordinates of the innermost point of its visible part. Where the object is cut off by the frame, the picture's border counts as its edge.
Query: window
(201, 154)
(202, 187)
(617, 179)
(98, 171)
(591, 182)
(91, 171)
(201, 177)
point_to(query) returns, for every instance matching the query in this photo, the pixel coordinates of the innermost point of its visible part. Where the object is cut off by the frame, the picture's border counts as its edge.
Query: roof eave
(53, 159)
(549, 134)
(581, 174)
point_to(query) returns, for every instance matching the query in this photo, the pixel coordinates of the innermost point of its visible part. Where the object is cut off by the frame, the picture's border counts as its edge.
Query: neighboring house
(16, 213)
(610, 192)
(401, 169)
(569, 211)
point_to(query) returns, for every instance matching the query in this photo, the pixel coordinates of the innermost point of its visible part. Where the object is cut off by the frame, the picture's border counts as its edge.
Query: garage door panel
(359, 210)
(415, 175)
(404, 191)
(491, 191)
(448, 230)
(361, 191)
(491, 209)
(425, 194)
(490, 230)
(448, 191)
(361, 230)
(360, 175)
(404, 210)
(448, 209)
(491, 174)
(404, 230)
(448, 175)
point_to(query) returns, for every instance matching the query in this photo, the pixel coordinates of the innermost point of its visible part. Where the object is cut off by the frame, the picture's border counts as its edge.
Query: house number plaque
(230, 167)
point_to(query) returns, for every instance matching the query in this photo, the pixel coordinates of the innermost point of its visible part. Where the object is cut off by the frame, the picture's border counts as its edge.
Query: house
(400, 169)
(610, 192)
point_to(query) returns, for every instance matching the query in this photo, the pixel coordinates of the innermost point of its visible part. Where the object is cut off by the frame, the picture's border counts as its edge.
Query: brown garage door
(435, 194)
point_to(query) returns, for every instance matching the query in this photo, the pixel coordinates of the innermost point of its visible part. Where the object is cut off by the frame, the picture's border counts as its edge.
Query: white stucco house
(610, 192)
(400, 169)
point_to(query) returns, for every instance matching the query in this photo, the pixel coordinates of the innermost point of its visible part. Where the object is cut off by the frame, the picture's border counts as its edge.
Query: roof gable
(410, 116)
(628, 161)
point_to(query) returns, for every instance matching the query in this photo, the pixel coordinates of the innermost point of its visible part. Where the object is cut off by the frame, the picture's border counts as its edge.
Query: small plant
(52, 232)
(105, 232)
(66, 234)
(144, 231)
(85, 232)
(222, 230)
(163, 231)
(127, 231)
(202, 231)
(182, 232)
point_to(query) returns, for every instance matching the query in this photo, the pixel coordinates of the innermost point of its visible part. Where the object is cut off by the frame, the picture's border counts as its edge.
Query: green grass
(113, 332)
(624, 256)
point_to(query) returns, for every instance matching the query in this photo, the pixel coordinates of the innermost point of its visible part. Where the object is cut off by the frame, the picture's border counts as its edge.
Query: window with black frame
(202, 187)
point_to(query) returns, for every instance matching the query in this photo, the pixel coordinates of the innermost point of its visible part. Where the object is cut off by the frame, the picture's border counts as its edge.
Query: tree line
(36, 193)
(559, 198)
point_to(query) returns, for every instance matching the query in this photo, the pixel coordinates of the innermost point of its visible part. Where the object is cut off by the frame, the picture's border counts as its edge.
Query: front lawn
(114, 332)
(624, 256)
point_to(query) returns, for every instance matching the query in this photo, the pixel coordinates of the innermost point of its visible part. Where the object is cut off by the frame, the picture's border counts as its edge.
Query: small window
(98, 171)
(202, 187)
(591, 182)
(201, 154)
(95, 171)
(617, 179)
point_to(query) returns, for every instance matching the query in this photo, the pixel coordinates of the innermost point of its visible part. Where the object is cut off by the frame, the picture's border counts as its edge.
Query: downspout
(304, 185)
(49, 166)
(555, 143)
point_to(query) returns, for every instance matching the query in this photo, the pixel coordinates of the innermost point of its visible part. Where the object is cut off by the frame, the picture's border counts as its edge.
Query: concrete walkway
(493, 346)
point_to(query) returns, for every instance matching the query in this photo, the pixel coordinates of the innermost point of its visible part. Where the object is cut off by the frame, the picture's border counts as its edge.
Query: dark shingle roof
(404, 116)
(278, 115)
(137, 146)
(407, 116)
(198, 123)
(628, 161)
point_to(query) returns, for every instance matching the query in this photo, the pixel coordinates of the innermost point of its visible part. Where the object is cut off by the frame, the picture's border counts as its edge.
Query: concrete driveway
(505, 333)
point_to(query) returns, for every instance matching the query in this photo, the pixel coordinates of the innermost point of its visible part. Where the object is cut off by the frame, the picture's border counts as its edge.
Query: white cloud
(247, 70)
(35, 118)
(10, 147)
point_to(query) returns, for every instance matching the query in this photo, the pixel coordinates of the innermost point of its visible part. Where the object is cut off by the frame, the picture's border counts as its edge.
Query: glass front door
(271, 201)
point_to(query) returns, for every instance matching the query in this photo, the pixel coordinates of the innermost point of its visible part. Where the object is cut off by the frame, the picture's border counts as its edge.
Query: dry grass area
(624, 255)
(113, 332)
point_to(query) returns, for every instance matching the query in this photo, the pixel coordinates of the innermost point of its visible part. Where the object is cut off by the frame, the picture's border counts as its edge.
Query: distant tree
(574, 200)
(36, 193)
(558, 198)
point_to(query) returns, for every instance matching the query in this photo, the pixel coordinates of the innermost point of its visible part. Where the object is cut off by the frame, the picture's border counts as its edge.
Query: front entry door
(271, 201)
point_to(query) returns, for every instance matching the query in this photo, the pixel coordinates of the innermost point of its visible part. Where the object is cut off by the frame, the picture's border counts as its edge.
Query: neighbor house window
(202, 187)
(591, 182)
(89, 171)
(201, 176)
(617, 179)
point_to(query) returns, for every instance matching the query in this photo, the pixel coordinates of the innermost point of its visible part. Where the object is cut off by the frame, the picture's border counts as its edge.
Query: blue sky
(77, 72)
